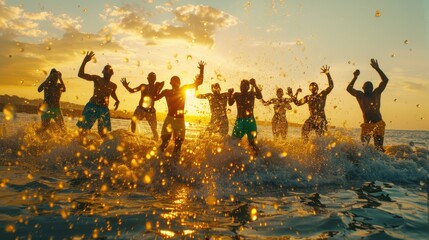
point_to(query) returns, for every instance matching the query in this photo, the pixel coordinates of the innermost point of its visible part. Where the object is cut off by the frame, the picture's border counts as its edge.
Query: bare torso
(102, 90)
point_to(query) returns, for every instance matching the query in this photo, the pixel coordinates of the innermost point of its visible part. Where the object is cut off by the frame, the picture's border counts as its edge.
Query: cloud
(15, 22)
(66, 22)
(272, 44)
(28, 50)
(193, 23)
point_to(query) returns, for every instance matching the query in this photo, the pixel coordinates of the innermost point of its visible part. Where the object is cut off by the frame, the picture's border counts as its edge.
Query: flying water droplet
(377, 13)
(189, 57)
(9, 112)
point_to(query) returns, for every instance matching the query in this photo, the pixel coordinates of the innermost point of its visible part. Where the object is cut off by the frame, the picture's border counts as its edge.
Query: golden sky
(279, 43)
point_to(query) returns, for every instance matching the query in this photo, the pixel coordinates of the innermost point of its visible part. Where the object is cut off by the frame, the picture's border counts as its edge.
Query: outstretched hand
(374, 63)
(124, 82)
(88, 56)
(116, 105)
(201, 64)
(325, 69)
(289, 91)
(356, 73)
(252, 81)
(298, 91)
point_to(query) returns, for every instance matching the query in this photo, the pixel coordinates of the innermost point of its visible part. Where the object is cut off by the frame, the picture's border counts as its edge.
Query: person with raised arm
(98, 106)
(146, 108)
(370, 101)
(245, 124)
(279, 122)
(218, 102)
(316, 105)
(52, 90)
(174, 123)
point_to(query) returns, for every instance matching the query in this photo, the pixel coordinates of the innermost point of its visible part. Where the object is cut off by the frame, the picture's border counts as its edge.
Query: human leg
(89, 116)
(151, 119)
(251, 131)
(59, 120)
(177, 147)
(379, 135)
(166, 132)
(321, 126)
(378, 142)
(135, 118)
(104, 124)
(275, 127)
(305, 131)
(284, 129)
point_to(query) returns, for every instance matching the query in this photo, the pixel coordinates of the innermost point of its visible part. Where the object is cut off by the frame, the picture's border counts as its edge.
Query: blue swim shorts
(92, 112)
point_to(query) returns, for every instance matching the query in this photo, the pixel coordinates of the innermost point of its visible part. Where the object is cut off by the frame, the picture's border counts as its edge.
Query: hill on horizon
(75, 110)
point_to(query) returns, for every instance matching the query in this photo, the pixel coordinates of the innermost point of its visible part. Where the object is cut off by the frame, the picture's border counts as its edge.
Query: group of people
(174, 124)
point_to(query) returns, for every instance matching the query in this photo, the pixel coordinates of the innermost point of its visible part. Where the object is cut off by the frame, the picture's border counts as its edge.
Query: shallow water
(119, 188)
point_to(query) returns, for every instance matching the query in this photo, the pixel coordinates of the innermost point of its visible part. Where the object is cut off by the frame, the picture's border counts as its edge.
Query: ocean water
(51, 187)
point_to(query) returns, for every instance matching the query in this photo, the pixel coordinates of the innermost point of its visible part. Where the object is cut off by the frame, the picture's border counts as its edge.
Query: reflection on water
(120, 188)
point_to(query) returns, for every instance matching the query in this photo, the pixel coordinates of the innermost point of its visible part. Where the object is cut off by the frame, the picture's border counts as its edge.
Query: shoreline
(31, 108)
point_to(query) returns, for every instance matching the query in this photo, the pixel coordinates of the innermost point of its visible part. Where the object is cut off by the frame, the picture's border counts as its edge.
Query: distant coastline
(24, 105)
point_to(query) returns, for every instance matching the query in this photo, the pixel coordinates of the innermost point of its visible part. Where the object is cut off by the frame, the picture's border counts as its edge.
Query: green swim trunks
(51, 113)
(245, 126)
(91, 113)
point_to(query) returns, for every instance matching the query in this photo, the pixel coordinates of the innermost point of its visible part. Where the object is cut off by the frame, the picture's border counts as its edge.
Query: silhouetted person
(52, 90)
(145, 109)
(98, 106)
(316, 104)
(279, 122)
(217, 101)
(174, 123)
(369, 101)
(245, 124)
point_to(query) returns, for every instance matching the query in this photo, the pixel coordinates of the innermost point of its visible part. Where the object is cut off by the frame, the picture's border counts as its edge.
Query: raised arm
(266, 103)
(300, 102)
(200, 76)
(82, 73)
(231, 98)
(258, 93)
(161, 95)
(201, 96)
(325, 70)
(62, 85)
(131, 90)
(350, 88)
(49, 80)
(384, 79)
(42, 85)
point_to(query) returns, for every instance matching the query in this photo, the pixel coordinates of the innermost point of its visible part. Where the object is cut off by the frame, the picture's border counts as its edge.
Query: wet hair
(151, 77)
(367, 87)
(244, 85)
(175, 80)
(151, 74)
(279, 91)
(53, 70)
(106, 68)
(215, 85)
(312, 86)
